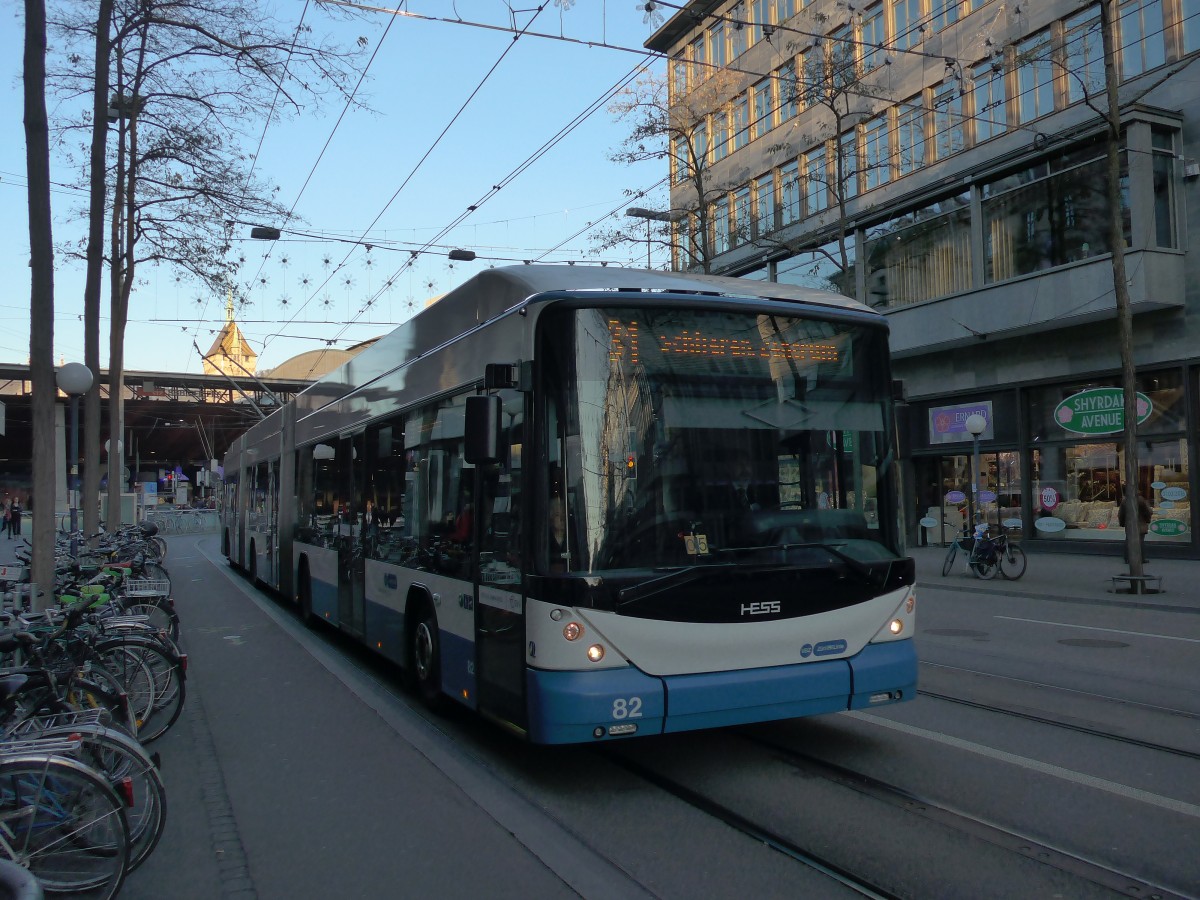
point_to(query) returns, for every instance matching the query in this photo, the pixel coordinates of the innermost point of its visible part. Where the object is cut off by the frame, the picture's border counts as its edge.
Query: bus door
(499, 597)
(351, 563)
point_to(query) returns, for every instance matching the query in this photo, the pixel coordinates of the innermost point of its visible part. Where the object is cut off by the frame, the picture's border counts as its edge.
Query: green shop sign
(1099, 411)
(1168, 527)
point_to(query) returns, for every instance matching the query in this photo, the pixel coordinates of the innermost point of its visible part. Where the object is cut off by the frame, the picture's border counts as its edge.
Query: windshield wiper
(868, 573)
(675, 578)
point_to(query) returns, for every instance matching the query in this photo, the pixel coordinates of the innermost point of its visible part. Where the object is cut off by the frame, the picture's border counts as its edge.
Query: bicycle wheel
(949, 563)
(65, 824)
(131, 773)
(985, 565)
(1012, 562)
(153, 678)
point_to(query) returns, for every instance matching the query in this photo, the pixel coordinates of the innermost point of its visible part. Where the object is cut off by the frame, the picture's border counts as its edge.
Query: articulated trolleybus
(593, 503)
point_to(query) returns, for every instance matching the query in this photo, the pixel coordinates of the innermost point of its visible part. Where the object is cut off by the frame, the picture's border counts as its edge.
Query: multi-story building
(944, 162)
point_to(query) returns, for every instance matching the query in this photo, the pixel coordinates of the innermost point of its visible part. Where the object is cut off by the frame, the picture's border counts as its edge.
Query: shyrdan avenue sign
(1099, 411)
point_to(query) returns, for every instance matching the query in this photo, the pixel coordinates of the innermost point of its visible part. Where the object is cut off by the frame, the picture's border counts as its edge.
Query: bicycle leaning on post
(987, 555)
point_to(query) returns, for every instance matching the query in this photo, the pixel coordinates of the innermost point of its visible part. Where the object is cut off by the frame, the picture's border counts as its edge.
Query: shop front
(1050, 463)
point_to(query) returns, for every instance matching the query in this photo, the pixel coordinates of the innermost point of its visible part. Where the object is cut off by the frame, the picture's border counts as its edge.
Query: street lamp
(654, 215)
(74, 380)
(976, 425)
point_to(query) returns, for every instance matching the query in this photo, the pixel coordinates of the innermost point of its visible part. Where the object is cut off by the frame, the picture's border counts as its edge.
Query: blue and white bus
(592, 503)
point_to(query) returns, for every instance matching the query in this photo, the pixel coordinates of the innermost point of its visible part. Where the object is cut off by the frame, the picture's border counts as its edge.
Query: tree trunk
(1116, 231)
(41, 301)
(90, 496)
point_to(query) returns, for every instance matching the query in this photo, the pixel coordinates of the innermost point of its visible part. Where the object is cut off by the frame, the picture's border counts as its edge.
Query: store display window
(1077, 490)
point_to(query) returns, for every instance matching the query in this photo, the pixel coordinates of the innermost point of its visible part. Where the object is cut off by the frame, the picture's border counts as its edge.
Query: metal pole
(975, 486)
(74, 486)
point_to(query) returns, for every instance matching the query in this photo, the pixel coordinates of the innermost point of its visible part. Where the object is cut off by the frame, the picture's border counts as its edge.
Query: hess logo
(762, 608)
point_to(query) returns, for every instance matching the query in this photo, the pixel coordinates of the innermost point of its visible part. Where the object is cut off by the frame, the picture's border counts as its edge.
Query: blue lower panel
(385, 631)
(567, 707)
(716, 699)
(458, 668)
(324, 600)
(888, 668)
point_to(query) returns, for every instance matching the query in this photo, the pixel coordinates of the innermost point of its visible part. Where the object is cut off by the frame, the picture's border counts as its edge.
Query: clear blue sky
(422, 75)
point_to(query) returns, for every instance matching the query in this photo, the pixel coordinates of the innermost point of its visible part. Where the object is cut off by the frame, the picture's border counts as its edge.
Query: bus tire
(304, 595)
(425, 656)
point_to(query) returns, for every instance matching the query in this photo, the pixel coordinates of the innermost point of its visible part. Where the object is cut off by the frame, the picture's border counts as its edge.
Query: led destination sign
(627, 344)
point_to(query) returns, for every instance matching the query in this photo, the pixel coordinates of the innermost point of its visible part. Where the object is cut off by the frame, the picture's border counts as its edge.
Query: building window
(820, 268)
(680, 160)
(943, 13)
(877, 152)
(717, 48)
(910, 135)
(789, 91)
(764, 205)
(741, 216)
(1084, 49)
(699, 146)
(764, 106)
(719, 216)
(699, 68)
(990, 101)
(739, 33)
(1142, 42)
(1190, 10)
(949, 135)
(841, 57)
(741, 121)
(1163, 155)
(760, 15)
(679, 75)
(906, 17)
(789, 194)
(921, 255)
(785, 9)
(1035, 77)
(720, 135)
(874, 36)
(846, 169)
(1049, 214)
(816, 182)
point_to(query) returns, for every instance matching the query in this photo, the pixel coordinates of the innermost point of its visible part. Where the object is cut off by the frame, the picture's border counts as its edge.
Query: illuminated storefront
(1052, 460)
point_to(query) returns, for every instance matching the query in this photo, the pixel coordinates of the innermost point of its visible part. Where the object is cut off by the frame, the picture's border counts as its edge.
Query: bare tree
(190, 83)
(676, 133)
(41, 298)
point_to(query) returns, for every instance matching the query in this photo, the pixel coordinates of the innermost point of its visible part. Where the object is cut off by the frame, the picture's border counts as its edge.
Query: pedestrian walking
(14, 518)
(7, 511)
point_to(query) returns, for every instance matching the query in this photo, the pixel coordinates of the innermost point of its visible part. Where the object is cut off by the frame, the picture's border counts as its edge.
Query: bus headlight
(595, 652)
(911, 602)
(572, 631)
(896, 626)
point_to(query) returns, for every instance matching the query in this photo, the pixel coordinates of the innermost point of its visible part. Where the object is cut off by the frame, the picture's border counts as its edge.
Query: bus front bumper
(568, 707)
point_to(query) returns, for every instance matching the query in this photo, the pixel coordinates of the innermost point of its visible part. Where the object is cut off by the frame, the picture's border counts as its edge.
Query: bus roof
(521, 282)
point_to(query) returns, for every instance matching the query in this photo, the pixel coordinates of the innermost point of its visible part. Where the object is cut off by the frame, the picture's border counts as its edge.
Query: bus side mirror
(483, 430)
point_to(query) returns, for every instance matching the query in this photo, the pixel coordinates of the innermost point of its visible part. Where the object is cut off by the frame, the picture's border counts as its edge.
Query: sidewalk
(1069, 575)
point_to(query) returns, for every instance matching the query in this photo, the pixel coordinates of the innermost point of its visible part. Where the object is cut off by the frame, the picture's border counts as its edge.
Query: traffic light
(631, 465)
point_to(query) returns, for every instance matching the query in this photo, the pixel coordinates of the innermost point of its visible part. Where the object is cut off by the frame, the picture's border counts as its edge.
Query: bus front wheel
(425, 658)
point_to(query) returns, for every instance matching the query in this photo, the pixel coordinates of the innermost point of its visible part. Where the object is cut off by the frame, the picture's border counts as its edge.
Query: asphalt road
(1055, 752)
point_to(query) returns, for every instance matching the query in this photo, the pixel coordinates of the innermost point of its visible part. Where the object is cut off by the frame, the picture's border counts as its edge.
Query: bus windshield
(683, 437)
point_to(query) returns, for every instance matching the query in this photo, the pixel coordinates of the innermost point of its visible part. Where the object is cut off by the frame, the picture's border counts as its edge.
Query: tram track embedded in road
(740, 823)
(1123, 883)
(1025, 715)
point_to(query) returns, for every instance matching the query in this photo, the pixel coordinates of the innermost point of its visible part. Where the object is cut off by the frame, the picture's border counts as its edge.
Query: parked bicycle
(987, 554)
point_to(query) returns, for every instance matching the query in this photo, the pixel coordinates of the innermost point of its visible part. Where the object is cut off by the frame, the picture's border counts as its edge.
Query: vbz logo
(762, 608)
